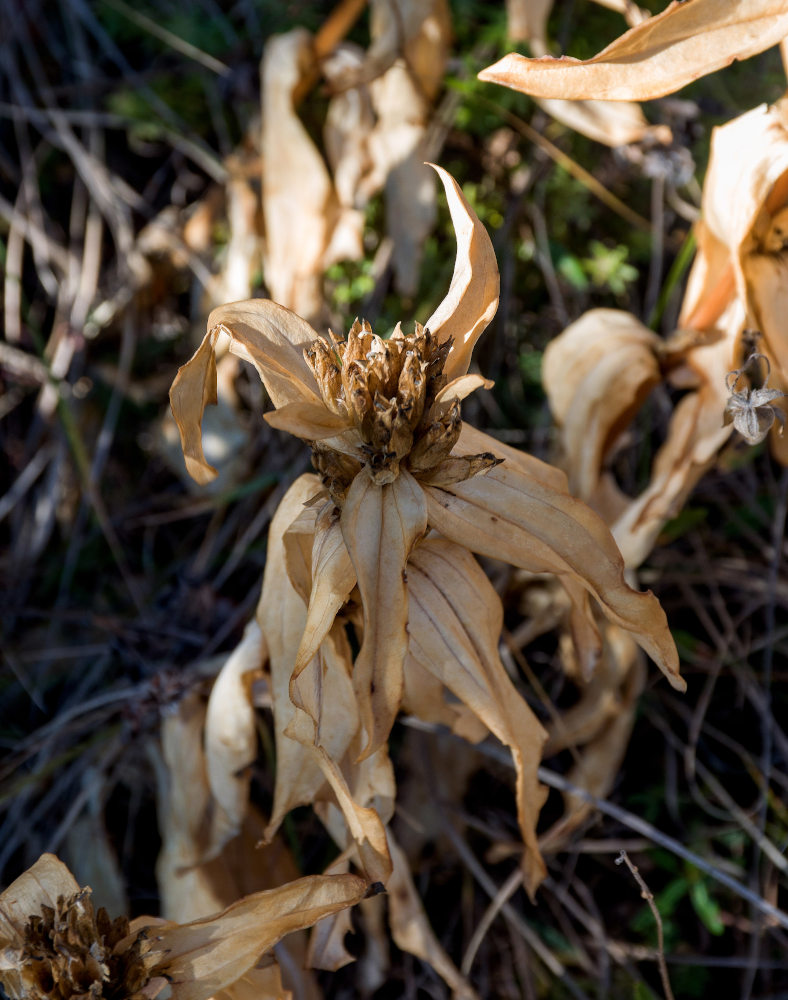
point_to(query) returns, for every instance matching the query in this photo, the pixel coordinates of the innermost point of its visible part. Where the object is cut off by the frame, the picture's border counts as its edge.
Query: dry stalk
(646, 893)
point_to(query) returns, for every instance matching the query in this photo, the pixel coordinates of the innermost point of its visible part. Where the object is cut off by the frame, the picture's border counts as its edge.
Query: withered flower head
(54, 946)
(406, 494)
(393, 392)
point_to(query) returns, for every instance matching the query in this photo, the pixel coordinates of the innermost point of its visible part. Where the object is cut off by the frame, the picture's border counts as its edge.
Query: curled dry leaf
(282, 617)
(505, 516)
(300, 206)
(466, 312)
(50, 934)
(597, 374)
(610, 356)
(380, 525)
(411, 930)
(455, 620)
(611, 124)
(737, 282)
(661, 55)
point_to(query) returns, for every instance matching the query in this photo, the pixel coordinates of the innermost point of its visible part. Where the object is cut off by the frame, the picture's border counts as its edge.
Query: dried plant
(54, 946)
(383, 538)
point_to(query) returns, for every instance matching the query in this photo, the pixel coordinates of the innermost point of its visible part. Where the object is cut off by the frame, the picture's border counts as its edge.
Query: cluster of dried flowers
(379, 545)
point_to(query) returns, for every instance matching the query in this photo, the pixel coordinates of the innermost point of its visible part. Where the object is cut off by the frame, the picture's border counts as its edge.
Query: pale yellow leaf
(257, 984)
(455, 625)
(463, 386)
(661, 55)
(323, 690)
(365, 825)
(327, 941)
(474, 442)
(267, 335)
(472, 299)
(380, 525)
(194, 388)
(425, 697)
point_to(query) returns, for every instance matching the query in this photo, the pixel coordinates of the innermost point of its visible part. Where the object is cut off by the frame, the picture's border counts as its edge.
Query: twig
(646, 893)
(169, 38)
(507, 890)
(778, 532)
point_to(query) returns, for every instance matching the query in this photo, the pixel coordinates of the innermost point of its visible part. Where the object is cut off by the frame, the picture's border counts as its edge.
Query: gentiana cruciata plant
(383, 539)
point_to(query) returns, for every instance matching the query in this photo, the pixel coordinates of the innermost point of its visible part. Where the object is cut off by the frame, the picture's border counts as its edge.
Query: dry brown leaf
(334, 577)
(527, 19)
(231, 737)
(327, 942)
(597, 374)
(380, 525)
(507, 515)
(472, 299)
(611, 124)
(661, 55)
(208, 955)
(300, 206)
(404, 68)
(455, 620)
(411, 930)
(257, 984)
(425, 696)
(282, 617)
(363, 822)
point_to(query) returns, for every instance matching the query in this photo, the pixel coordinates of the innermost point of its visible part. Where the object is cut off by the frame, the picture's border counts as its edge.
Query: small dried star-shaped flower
(750, 410)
